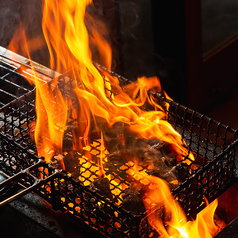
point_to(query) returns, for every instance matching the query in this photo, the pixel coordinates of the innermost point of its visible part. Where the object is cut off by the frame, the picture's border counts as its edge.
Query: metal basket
(213, 144)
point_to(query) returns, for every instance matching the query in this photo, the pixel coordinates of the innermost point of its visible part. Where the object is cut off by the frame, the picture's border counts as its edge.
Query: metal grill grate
(213, 144)
(13, 84)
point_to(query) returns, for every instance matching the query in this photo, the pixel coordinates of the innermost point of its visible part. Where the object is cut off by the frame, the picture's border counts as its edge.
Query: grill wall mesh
(213, 144)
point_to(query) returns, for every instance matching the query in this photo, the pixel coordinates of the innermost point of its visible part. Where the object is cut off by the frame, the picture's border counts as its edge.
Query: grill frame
(205, 137)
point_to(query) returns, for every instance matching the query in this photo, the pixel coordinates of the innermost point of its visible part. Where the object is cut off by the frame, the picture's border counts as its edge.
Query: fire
(68, 40)
(98, 99)
(157, 195)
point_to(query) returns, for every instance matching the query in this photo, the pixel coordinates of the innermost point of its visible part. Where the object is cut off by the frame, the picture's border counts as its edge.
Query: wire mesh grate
(213, 144)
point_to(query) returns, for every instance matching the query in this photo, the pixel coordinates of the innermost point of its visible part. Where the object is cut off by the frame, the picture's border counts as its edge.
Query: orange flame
(68, 40)
(158, 195)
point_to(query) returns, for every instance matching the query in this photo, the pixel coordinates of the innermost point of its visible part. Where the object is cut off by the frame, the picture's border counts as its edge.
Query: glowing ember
(94, 106)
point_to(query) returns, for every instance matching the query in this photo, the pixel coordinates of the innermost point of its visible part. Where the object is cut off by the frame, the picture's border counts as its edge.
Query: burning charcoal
(156, 144)
(67, 143)
(153, 157)
(103, 187)
(68, 140)
(114, 137)
(145, 154)
(181, 171)
(171, 160)
(171, 155)
(164, 174)
(71, 162)
(148, 155)
(139, 149)
(57, 161)
(132, 200)
(114, 166)
(143, 151)
(116, 157)
(124, 146)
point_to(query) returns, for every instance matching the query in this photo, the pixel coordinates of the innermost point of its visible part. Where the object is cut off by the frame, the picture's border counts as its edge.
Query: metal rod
(36, 184)
(9, 183)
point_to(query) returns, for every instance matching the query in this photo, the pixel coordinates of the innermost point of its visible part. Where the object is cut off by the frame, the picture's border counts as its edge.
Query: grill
(213, 145)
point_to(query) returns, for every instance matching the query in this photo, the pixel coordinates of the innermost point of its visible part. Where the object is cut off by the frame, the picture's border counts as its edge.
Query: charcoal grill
(213, 144)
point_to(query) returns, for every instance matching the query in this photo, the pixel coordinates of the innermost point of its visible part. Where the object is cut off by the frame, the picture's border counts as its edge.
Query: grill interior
(213, 145)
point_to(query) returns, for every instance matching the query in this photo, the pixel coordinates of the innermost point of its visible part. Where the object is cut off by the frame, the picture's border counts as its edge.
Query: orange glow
(67, 35)
(18, 42)
(99, 97)
(101, 158)
(158, 195)
(68, 41)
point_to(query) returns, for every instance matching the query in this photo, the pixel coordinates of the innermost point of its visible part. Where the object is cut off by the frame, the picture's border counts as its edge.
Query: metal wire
(213, 144)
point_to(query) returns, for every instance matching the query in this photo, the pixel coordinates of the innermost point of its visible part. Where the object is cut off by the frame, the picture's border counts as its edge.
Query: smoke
(104, 13)
(25, 14)
(10, 19)
(126, 25)
(130, 17)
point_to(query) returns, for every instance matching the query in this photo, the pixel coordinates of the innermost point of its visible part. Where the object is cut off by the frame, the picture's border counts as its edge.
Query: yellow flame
(68, 39)
(159, 195)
